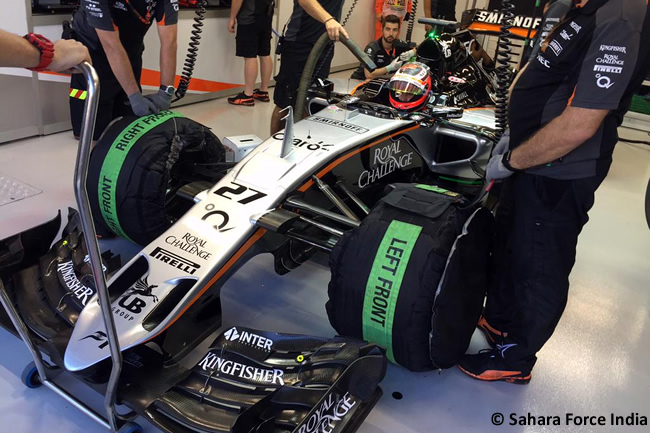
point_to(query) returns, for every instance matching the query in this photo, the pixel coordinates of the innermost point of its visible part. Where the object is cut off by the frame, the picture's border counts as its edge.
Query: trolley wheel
(30, 377)
(130, 427)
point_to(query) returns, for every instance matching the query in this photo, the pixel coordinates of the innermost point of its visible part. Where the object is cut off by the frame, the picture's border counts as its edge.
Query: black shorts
(113, 101)
(292, 63)
(254, 39)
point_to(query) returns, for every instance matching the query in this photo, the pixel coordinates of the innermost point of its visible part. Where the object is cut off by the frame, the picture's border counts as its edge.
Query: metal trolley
(40, 372)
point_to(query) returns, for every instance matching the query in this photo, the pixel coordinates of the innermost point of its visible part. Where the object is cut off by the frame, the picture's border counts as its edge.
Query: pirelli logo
(175, 260)
(608, 69)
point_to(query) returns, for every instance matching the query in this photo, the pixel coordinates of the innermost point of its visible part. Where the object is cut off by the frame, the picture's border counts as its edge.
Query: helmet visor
(404, 90)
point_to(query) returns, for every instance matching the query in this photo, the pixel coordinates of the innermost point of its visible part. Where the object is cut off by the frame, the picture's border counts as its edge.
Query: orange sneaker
(490, 365)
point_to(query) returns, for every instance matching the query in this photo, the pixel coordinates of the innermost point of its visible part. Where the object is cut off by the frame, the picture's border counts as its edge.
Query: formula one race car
(299, 191)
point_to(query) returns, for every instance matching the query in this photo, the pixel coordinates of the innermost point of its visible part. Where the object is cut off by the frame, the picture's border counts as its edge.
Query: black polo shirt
(595, 58)
(130, 17)
(380, 56)
(303, 28)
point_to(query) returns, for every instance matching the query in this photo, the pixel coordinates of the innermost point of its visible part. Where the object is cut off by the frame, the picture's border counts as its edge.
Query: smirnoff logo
(328, 414)
(212, 362)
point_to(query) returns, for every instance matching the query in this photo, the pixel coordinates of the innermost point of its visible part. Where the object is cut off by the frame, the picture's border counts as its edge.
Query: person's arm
(119, 60)
(559, 137)
(427, 14)
(599, 89)
(389, 69)
(168, 47)
(234, 11)
(316, 11)
(16, 51)
(427, 8)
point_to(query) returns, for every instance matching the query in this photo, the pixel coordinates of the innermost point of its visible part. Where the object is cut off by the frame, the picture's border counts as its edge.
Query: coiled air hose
(193, 50)
(411, 23)
(503, 67)
(312, 61)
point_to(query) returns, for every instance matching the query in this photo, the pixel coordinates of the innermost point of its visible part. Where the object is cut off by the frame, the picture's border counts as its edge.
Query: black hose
(503, 67)
(411, 23)
(310, 66)
(192, 51)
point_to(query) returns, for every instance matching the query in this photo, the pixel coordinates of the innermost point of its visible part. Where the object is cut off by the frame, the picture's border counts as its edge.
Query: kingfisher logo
(212, 362)
(249, 339)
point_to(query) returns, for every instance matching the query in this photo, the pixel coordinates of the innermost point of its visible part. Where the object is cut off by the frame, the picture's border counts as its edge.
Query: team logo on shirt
(608, 69)
(603, 81)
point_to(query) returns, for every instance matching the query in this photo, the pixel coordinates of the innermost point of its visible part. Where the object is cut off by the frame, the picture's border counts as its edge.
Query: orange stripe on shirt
(572, 95)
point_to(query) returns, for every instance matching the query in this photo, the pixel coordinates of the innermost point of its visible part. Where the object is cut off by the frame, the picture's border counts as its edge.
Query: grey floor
(595, 364)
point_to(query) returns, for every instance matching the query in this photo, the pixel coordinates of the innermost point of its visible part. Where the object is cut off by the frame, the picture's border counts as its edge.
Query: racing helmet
(410, 86)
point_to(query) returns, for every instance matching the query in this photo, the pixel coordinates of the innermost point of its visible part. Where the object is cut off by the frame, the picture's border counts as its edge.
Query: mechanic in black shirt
(443, 9)
(113, 31)
(564, 112)
(386, 51)
(309, 20)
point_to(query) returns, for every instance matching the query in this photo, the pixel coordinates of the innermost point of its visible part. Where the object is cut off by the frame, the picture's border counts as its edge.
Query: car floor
(595, 364)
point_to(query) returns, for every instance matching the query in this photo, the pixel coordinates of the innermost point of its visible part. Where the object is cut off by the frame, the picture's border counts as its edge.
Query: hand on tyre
(142, 106)
(161, 100)
(406, 56)
(334, 29)
(394, 65)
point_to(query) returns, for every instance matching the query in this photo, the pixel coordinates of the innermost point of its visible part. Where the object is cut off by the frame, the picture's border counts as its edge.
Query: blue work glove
(141, 106)
(161, 100)
(496, 170)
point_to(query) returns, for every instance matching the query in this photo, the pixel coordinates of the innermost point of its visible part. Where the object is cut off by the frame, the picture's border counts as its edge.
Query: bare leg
(277, 124)
(266, 67)
(250, 74)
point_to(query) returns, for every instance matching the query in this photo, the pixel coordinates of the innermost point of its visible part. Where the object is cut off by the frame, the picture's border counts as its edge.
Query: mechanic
(37, 53)
(554, 12)
(114, 33)
(443, 9)
(253, 19)
(400, 8)
(386, 51)
(564, 112)
(309, 20)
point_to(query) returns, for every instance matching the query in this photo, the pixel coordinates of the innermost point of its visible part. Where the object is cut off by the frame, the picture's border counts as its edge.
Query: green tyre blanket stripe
(110, 172)
(384, 283)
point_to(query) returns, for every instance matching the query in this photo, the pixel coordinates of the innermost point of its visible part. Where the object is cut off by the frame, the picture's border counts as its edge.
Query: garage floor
(596, 363)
